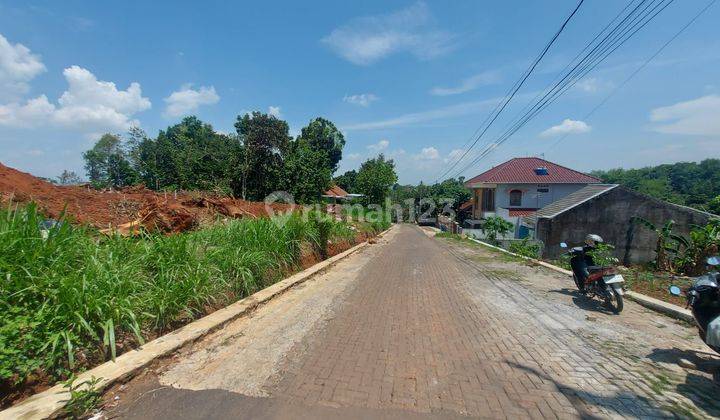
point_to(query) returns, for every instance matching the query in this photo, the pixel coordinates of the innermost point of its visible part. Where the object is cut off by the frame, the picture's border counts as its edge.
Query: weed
(70, 298)
(84, 397)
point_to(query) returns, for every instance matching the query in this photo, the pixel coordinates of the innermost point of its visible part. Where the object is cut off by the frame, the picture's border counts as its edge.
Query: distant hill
(689, 183)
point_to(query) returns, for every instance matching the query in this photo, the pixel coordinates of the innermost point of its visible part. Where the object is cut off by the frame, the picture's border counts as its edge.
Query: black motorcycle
(703, 299)
(595, 280)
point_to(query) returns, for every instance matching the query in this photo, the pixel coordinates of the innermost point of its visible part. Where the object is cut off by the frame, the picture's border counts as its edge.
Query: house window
(515, 198)
(488, 199)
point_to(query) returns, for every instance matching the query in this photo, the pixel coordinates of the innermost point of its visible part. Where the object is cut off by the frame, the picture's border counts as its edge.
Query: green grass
(76, 298)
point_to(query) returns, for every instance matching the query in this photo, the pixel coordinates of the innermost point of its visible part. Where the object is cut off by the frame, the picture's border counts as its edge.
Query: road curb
(657, 305)
(49, 402)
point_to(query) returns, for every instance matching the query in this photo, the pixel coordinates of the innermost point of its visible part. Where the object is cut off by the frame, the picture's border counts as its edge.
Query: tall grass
(70, 298)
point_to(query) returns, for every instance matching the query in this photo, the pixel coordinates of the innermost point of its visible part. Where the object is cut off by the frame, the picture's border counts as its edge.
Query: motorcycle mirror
(675, 291)
(713, 260)
(563, 245)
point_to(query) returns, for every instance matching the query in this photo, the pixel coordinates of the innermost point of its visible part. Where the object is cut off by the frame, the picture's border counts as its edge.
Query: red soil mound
(167, 212)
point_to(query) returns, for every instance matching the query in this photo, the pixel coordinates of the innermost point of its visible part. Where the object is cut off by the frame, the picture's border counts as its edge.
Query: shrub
(525, 248)
(496, 226)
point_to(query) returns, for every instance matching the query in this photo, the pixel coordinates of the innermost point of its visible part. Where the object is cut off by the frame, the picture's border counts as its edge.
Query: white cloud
(454, 155)
(274, 111)
(18, 66)
(366, 40)
(363, 99)
(466, 85)
(379, 146)
(353, 156)
(568, 126)
(699, 116)
(187, 100)
(428, 153)
(593, 85)
(88, 105)
(451, 111)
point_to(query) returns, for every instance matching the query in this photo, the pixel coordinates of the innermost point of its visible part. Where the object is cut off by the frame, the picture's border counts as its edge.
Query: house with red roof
(520, 186)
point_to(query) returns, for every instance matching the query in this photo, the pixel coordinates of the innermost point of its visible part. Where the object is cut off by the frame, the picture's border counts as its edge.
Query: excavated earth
(168, 212)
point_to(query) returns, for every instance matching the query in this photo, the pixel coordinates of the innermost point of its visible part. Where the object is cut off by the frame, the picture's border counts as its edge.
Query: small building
(608, 210)
(519, 187)
(335, 194)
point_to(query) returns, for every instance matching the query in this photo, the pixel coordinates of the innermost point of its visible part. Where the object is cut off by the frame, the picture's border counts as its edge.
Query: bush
(496, 226)
(525, 248)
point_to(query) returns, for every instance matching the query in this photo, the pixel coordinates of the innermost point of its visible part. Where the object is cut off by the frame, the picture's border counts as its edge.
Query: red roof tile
(336, 191)
(522, 170)
(521, 212)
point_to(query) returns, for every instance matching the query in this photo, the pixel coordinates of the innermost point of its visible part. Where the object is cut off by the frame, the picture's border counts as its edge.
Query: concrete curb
(49, 402)
(657, 305)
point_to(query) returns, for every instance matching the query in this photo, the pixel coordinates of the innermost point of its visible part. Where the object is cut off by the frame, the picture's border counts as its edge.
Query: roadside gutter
(49, 402)
(657, 305)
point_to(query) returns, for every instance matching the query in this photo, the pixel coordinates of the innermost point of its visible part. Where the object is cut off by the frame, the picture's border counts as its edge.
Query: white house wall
(530, 197)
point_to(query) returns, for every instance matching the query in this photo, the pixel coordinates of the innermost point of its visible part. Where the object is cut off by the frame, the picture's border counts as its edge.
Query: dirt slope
(103, 209)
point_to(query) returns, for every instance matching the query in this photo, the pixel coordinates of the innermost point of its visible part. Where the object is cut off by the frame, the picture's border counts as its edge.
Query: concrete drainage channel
(657, 305)
(49, 403)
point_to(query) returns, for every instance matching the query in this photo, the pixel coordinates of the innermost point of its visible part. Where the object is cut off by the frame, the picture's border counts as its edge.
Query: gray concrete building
(607, 210)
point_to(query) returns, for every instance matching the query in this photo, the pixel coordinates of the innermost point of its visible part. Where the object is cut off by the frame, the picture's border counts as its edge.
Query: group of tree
(687, 183)
(259, 158)
(434, 198)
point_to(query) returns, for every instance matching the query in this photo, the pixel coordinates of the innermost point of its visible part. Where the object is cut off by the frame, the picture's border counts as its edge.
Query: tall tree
(375, 178)
(347, 181)
(107, 165)
(322, 135)
(307, 172)
(265, 141)
(189, 155)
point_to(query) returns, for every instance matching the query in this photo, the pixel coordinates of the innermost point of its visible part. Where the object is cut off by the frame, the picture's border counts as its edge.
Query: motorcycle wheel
(618, 304)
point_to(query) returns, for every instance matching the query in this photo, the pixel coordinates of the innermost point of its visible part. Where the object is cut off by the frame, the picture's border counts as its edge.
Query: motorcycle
(703, 299)
(603, 282)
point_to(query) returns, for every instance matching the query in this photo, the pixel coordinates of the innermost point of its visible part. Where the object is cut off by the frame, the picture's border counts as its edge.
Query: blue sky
(411, 79)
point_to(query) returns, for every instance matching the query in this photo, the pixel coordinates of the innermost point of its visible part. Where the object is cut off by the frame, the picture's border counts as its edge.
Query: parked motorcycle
(703, 299)
(593, 280)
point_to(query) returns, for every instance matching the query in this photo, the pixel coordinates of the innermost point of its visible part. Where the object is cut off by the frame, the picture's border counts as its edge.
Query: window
(515, 198)
(488, 199)
(543, 190)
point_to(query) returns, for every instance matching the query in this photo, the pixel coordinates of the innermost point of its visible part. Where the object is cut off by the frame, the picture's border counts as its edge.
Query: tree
(307, 172)
(495, 226)
(375, 178)
(265, 142)
(322, 135)
(346, 181)
(107, 165)
(714, 205)
(688, 183)
(68, 178)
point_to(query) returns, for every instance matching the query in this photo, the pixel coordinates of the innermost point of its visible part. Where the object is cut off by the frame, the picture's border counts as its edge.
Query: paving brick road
(430, 328)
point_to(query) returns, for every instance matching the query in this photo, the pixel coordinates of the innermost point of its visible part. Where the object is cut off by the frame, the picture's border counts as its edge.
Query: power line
(516, 87)
(621, 33)
(638, 70)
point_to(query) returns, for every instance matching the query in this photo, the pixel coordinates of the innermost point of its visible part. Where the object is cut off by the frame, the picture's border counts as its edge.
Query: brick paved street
(430, 328)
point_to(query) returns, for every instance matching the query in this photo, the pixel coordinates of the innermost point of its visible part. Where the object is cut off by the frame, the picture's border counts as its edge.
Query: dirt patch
(126, 209)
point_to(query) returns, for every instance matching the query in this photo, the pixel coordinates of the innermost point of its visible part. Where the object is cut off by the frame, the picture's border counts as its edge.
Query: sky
(411, 79)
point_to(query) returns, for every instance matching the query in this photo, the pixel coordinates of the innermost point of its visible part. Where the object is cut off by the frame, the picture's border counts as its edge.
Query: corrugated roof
(335, 191)
(523, 170)
(569, 201)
